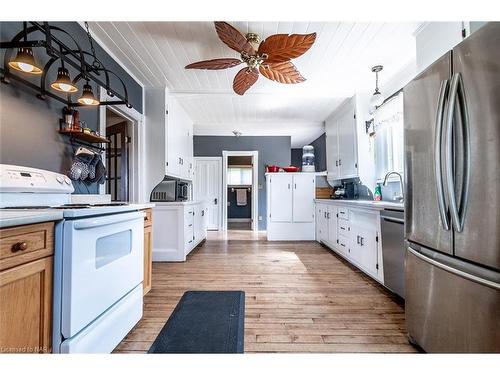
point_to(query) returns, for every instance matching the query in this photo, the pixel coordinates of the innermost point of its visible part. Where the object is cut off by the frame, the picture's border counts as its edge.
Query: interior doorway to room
(118, 132)
(240, 190)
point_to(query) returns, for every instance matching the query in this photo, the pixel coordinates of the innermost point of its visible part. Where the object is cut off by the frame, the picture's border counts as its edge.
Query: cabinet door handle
(328, 216)
(336, 163)
(295, 186)
(340, 161)
(361, 239)
(288, 186)
(357, 240)
(19, 246)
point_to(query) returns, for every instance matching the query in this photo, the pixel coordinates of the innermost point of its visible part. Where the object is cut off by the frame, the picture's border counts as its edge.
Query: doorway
(208, 186)
(240, 193)
(118, 129)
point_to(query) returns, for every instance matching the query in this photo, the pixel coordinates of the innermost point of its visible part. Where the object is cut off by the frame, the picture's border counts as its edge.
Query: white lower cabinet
(353, 233)
(177, 229)
(290, 206)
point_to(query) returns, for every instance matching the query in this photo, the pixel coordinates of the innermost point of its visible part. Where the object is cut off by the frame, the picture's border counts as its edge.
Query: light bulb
(28, 68)
(87, 101)
(65, 87)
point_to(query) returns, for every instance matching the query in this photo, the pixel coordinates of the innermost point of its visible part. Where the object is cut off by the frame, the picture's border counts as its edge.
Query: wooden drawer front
(343, 213)
(343, 227)
(23, 244)
(148, 219)
(26, 308)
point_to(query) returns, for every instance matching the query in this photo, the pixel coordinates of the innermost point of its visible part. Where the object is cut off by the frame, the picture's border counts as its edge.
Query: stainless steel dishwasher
(393, 250)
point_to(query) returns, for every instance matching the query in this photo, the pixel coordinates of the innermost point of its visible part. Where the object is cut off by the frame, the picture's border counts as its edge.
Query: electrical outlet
(260, 218)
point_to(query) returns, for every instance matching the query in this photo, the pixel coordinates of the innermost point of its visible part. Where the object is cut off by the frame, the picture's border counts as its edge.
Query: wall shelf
(90, 138)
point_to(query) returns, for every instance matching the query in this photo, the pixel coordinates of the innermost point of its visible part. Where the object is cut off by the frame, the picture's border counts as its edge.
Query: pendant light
(63, 81)
(377, 98)
(88, 97)
(25, 61)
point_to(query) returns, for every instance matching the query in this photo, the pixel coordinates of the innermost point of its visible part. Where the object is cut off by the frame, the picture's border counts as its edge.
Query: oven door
(102, 262)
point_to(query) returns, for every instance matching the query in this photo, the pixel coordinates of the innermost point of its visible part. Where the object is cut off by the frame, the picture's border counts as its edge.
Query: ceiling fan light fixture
(63, 81)
(25, 61)
(88, 97)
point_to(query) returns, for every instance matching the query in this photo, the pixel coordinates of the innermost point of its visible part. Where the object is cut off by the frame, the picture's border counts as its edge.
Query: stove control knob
(60, 179)
(67, 180)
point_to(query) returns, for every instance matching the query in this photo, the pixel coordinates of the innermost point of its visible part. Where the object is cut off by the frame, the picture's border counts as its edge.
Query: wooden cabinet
(290, 206)
(26, 288)
(148, 251)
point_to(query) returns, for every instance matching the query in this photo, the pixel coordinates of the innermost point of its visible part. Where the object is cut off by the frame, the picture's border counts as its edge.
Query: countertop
(12, 218)
(376, 205)
(180, 203)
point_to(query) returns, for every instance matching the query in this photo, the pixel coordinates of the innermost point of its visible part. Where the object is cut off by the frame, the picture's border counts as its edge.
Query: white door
(280, 196)
(303, 197)
(347, 144)
(207, 187)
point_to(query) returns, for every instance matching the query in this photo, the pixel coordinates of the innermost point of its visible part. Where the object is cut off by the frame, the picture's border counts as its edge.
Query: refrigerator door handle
(438, 136)
(464, 115)
(450, 178)
(445, 267)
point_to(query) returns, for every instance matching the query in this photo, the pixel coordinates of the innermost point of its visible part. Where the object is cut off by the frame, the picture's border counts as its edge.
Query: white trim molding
(136, 159)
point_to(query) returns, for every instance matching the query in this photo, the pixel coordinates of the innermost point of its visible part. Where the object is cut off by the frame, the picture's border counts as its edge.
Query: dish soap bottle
(377, 195)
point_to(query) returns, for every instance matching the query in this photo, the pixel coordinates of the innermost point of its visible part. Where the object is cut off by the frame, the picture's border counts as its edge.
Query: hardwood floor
(300, 297)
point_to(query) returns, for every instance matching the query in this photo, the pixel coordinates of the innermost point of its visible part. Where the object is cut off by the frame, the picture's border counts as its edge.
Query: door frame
(219, 178)
(255, 186)
(136, 147)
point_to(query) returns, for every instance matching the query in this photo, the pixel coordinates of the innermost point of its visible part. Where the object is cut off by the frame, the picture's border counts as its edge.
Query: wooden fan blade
(214, 64)
(283, 47)
(283, 72)
(244, 79)
(233, 38)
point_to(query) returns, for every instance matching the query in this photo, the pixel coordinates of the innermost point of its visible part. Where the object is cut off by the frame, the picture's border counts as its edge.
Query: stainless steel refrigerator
(452, 208)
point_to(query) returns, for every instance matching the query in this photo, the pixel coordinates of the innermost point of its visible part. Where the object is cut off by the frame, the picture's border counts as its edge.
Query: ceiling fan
(271, 57)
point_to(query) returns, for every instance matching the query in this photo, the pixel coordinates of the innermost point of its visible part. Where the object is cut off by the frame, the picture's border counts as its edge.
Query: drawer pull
(19, 246)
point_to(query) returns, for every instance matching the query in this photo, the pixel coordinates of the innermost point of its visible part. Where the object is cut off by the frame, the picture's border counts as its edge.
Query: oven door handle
(108, 220)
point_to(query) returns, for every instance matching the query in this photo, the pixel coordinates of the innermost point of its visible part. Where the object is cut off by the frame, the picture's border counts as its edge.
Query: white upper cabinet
(341, 142)
(179, 143)
(349, 152)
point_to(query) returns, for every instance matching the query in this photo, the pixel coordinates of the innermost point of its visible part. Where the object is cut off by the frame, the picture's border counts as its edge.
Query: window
(388, 123)
(239, 175)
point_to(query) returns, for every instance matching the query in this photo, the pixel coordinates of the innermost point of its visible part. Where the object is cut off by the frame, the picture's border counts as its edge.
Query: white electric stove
(98, 260)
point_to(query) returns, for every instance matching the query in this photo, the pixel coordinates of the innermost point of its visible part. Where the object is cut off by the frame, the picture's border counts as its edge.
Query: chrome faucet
(401, 197)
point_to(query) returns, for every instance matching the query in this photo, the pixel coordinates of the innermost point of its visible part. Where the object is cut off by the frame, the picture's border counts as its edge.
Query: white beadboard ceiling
(338, 65)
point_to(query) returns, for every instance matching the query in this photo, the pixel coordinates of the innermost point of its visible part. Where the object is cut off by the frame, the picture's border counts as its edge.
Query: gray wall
(272, 150)
(28, 135)
(319, 145)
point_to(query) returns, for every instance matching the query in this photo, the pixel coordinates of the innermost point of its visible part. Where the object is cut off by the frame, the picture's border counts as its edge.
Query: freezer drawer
(450, 308)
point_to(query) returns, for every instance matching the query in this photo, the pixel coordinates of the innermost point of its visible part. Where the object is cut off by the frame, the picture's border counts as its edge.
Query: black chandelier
(25, 63)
